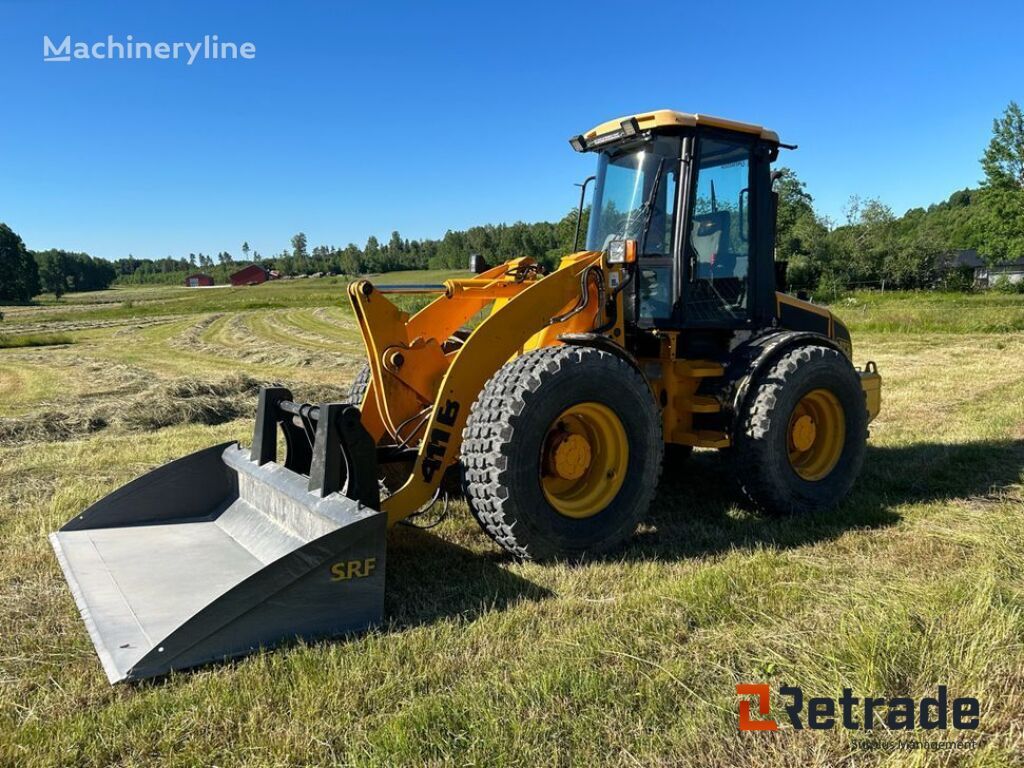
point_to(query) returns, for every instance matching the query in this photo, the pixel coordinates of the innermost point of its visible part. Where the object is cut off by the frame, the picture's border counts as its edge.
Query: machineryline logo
(854, 713)
(210, 48)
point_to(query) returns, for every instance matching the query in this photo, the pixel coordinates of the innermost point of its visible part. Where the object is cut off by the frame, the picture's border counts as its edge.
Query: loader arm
(447, 385)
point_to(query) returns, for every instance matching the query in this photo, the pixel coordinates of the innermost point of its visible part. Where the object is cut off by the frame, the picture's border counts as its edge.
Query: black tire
(761, 445)
(357, 390)
(503, 441)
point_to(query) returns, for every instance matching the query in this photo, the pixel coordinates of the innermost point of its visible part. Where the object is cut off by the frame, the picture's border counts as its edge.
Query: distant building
(198, 280)
(956, 268)
(967, 259)
(1013, 271)
(254, 274)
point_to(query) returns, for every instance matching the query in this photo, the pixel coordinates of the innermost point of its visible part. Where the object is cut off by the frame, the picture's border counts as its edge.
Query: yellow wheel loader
(553, 399)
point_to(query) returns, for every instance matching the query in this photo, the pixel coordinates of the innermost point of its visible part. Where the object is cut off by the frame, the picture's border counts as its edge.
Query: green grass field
(917, 580)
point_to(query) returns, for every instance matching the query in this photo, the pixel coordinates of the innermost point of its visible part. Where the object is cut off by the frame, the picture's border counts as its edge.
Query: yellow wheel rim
(817, 431)
(583, 460)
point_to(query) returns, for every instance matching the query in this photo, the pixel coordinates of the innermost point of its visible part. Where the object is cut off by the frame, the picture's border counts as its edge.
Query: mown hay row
(180, 401)
(302, 324)
(232, 337)
(67, 326)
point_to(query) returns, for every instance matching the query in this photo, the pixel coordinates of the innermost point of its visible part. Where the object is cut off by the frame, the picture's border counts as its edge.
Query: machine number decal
(439, 438)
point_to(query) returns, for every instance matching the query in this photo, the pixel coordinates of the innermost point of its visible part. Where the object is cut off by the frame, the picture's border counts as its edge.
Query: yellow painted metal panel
(490, 345)
(871, 382)
(661, 118)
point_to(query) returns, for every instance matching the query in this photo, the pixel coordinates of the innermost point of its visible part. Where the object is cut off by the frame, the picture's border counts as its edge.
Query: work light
(622, 251)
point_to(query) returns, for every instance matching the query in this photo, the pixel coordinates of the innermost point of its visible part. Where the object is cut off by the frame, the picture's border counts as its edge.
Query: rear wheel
(562, 453)
(802, 439)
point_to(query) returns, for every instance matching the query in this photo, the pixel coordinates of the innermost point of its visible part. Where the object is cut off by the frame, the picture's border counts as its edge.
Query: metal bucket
(224, 551)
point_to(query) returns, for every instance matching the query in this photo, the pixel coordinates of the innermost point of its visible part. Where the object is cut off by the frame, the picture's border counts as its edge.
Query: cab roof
(661, 118)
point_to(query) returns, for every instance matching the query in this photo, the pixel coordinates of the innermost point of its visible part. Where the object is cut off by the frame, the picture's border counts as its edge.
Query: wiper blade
(648, 207)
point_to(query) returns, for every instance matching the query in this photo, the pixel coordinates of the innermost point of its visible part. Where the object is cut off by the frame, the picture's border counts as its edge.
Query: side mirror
(477, 265)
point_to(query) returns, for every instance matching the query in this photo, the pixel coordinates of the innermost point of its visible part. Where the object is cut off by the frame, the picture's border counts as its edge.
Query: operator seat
(717, 290)
(710, 239)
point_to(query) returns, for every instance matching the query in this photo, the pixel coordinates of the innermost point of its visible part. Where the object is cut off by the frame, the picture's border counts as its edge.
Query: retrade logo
(761, 691)
(855, 713)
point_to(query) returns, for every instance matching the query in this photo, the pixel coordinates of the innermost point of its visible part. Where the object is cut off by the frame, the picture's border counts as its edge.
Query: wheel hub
(584, 460)
(816, 435)
(572, 456)
(804, 432)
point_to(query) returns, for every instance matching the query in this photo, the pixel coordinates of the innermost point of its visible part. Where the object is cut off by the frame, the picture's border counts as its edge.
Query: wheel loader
(553, 398)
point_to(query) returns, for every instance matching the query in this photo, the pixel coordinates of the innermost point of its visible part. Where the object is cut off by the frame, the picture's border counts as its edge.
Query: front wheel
(801, 441)
(562, 453)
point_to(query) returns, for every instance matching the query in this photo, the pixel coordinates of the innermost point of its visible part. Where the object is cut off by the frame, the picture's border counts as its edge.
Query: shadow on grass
(430, 579)
(695, 512)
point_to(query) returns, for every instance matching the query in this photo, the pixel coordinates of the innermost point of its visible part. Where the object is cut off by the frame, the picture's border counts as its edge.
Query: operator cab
(694, 193)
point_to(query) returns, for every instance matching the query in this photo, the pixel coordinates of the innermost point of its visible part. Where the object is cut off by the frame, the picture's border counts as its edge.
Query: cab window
(718, 241)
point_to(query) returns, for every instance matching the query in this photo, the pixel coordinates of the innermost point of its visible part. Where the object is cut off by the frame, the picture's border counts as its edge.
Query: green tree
(245, 250)
(54, 272)
(800, 234)
(1003, 161)
(396, 247)
(299, 246)
(372, 254)
(565, 233)
(300, 254)
(795, 204)
(19, 275)
(351, 260)
(999, 226)
(1001, 219)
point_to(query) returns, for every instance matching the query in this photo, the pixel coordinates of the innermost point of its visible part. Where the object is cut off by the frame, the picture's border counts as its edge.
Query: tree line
(544, 241)
(874, 246)
(871, 247)
(25, 273)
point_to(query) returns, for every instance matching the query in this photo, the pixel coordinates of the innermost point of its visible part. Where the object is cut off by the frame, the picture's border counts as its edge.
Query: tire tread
(492, 425)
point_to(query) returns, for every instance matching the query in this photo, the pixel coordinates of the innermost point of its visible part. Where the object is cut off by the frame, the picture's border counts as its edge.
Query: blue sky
(359, 118)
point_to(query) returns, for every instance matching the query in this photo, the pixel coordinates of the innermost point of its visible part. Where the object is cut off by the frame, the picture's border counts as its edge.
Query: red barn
(198, 280)
(254, 274)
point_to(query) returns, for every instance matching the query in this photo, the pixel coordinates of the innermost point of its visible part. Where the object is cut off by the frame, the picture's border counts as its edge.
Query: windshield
(622, 192)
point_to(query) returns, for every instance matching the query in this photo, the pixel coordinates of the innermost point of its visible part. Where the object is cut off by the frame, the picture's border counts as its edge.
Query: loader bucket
(225, 551)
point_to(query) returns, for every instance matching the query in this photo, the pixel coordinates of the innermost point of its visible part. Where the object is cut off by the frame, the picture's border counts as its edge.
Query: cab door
(716, 250)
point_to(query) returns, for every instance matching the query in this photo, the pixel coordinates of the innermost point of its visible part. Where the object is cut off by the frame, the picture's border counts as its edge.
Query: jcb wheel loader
(551, 398)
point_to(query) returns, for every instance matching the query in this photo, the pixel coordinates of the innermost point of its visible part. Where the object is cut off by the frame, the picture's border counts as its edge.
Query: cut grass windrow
(34, 340)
